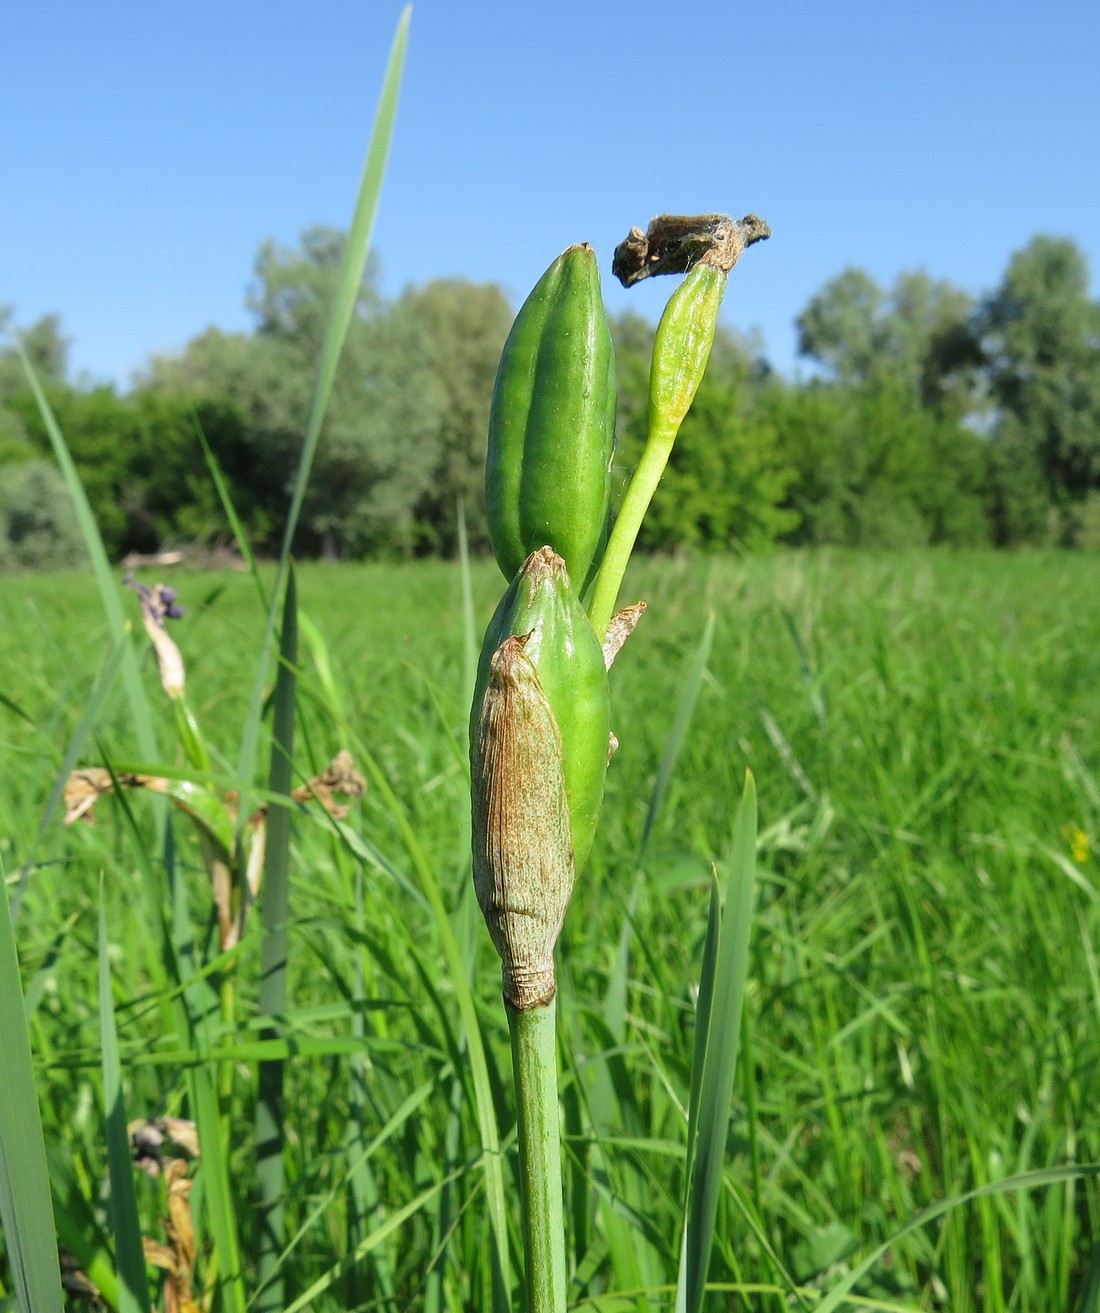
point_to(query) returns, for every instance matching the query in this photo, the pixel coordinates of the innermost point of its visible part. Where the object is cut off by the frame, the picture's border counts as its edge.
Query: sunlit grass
(923, 994)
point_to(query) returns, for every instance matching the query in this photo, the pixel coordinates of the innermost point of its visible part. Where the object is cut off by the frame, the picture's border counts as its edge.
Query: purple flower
(168, 600)
(157, 603)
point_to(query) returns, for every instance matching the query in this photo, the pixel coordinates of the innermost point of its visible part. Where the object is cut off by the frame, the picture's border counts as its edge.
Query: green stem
(624, 535)
(681, 350)
(534, 1061)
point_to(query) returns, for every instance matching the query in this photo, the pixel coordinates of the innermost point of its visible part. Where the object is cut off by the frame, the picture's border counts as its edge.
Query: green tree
(48, 351)
(842, 327)
(917, 334)
(463, 327)
(404, 434)
(46, 348)
(1041, 336)
(873, 469)
(38, 530)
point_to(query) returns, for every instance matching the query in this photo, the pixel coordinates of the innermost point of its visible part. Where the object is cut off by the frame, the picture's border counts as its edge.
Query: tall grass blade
(101, 567)
(133, 1284)
(458, 966)
(340, 314)
(685, 708)
(226, 499)
(26, 1213)
(197, 1021)
(470, 644)
(1006, 1185)
(270, 1133)
(721, 998)
(690, 685)
(92, 709)
(633, 1261)
(1088, 1301)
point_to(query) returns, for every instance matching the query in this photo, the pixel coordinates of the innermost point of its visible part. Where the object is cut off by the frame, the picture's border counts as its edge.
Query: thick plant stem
(535, 1064)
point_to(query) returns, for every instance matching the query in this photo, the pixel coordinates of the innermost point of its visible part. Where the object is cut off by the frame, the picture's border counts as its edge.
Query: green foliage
(404, 434)
(38, 529)
(463, 330)
(871, 470)
(1041, 336)
(46, 348)
(141, 462)
(915, 335)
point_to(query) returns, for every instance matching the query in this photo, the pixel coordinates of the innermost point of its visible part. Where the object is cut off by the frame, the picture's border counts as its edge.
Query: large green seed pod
(552, 422)
(563, 649)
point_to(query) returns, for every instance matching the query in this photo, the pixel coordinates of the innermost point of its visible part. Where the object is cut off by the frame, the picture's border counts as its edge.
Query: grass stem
(534, 1061)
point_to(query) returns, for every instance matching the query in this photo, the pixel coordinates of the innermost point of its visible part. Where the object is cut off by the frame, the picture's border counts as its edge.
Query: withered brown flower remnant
(674, 243)
(158, 604)
(523, 849)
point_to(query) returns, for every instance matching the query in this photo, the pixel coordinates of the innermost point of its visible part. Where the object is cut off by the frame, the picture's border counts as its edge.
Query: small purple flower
(157, 603)
(168, 600)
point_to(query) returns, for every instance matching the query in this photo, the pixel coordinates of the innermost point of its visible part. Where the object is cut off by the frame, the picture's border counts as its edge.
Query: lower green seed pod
(566, 654)
(523, 851)
(552, 422)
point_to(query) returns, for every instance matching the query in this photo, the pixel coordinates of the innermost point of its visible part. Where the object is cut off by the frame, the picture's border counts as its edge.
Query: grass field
(924, 1005)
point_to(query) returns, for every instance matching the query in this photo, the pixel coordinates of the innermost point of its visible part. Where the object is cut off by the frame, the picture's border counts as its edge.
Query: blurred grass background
(924, 992)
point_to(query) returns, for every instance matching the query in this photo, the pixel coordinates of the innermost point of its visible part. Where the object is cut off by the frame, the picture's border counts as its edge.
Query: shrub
(38, 529)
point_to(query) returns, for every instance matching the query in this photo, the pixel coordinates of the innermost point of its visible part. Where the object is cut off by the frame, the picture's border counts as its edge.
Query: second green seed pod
(552, 422)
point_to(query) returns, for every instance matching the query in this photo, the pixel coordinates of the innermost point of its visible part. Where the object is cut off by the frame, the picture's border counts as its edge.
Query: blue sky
(147, 149)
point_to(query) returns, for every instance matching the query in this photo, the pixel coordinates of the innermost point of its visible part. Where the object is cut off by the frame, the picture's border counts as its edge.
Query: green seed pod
(682, 346)
(566, 654)
(552, 422)
(523, 852)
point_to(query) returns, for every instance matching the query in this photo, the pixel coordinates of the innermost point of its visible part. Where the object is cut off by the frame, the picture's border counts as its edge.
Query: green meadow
(923, 1005)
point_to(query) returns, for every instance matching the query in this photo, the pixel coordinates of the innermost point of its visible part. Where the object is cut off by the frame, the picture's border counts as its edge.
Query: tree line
(925, 417)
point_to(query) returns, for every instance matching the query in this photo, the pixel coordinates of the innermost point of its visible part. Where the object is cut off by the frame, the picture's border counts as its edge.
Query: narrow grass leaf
(395, 1123)
(97, 554)
(809, 676)
(196, 1014)
(470, 643)
(270, 1133)
(226, 499)
(14, 707)
(1089, 1299)
(394, 1220)
(690, 684)
(26, 1213)
(92, 710)
(1027, 1181)
(458, 975)
(133, 1284)
(340, 315)
(716, 1065)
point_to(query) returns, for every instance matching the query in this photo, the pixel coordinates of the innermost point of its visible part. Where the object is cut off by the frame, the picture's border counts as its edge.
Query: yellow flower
(1078, 842)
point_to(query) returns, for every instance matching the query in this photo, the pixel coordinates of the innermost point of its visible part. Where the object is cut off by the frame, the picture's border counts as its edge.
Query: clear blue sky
(147, 149)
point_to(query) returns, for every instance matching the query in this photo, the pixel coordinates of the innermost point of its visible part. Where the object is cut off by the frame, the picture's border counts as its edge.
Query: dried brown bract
(523, 849)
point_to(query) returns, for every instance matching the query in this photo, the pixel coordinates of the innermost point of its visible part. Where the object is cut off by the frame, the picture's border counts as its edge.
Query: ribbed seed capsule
(566, 654)
(552, 422)
(523, 851)
(682, 346)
